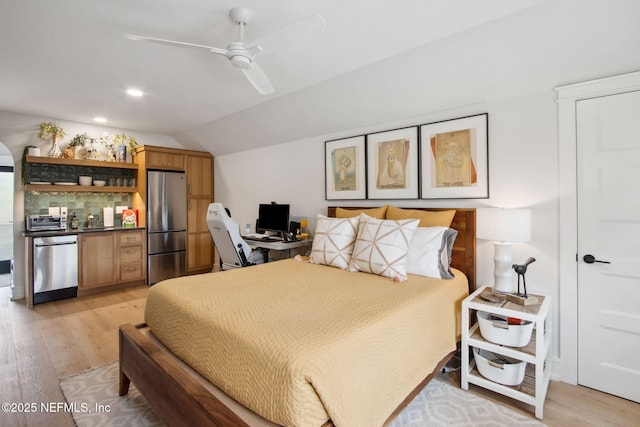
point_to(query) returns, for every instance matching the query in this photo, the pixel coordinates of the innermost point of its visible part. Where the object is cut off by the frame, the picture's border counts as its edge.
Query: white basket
(496, 329)
(498, 368)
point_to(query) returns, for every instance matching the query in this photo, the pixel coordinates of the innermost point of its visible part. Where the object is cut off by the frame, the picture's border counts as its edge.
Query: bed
(327, 377)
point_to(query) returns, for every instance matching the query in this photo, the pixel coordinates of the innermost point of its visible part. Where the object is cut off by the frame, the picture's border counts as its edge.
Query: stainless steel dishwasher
(55, 268)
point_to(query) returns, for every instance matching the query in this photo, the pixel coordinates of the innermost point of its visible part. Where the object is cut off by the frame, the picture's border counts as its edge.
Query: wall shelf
(80, 162)
(78, 188)
(67, 170)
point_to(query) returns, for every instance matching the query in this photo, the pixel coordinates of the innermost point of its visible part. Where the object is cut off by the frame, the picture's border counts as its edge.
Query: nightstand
(533, 388)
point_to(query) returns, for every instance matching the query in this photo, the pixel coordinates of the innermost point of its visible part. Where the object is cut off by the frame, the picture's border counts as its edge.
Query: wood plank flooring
(54, 340)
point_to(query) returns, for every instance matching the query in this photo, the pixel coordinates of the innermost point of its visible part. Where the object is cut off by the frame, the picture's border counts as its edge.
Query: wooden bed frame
(180, 399)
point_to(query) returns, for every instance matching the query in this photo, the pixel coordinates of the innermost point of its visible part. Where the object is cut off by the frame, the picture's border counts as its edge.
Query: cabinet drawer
(130, 238)
(131, 253)
(131, 271)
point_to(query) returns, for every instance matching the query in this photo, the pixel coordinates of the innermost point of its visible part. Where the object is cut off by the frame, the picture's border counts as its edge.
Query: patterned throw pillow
(382, 245)
(333, 241)
(430, 252)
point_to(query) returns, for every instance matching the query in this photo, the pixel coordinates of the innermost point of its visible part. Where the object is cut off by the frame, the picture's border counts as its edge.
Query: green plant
(50, 129)
(79, 140)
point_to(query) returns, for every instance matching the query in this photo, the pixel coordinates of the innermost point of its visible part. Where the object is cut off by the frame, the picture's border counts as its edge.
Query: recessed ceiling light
(135, 92)
(100, 119)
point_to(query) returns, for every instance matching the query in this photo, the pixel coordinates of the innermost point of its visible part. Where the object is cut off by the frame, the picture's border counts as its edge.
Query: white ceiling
(69, 60)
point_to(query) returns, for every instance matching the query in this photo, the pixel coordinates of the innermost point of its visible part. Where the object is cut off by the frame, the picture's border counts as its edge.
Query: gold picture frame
(392, 164)
(454, 158)
(345, 169)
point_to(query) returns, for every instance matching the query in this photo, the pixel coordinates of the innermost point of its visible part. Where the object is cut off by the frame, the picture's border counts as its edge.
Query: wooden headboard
(463, 256)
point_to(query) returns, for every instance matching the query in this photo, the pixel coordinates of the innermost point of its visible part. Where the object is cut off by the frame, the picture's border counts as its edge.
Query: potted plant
(51, 130)
(78, 141)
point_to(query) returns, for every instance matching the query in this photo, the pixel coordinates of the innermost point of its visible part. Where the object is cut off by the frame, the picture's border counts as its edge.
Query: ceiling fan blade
(291, 35)
(178, 44)
(258, 79)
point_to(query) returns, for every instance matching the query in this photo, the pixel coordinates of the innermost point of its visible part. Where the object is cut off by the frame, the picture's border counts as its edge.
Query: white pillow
(430, 252)
(382, 245)
(333, 241)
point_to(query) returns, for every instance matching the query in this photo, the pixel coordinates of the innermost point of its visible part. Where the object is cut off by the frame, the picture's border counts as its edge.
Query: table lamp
(503, 226)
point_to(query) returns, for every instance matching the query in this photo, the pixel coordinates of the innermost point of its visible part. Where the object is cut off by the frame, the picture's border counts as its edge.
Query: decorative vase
(55, 150)
(111, 155)
(69, 153)
(122, 154)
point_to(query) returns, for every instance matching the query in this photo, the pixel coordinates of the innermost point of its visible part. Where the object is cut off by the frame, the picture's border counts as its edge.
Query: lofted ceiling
(70, 60)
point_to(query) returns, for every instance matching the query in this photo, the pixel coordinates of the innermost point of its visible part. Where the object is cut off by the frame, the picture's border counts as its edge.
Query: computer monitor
(273, 217)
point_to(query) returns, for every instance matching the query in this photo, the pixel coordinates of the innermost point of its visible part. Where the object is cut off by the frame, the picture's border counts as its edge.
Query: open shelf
(78, 188)
(80, 162)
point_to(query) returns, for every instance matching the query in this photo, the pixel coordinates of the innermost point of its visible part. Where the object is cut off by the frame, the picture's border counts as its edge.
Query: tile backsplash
(63, 173)
(80, 204)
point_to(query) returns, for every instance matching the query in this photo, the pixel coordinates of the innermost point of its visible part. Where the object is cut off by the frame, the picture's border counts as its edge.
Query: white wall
(523, 162)
(20, 130)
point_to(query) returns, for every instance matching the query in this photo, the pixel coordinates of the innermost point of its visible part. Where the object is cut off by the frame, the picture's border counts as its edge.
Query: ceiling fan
(242, 55)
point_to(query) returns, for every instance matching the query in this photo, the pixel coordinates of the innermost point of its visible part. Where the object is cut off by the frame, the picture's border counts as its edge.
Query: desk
(265, 247)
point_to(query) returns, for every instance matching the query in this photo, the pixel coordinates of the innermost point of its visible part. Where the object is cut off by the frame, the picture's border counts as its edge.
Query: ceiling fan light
(241, 61)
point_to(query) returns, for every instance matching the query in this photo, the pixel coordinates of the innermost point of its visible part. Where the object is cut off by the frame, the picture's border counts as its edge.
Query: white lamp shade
(503, 225)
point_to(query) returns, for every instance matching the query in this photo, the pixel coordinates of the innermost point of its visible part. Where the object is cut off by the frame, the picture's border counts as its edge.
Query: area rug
(93, 395)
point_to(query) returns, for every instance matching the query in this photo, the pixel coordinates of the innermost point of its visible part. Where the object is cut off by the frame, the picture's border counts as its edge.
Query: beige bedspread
(300, 343)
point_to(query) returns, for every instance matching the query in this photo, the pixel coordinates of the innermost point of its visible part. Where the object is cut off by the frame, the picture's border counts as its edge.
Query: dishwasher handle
(44, 245)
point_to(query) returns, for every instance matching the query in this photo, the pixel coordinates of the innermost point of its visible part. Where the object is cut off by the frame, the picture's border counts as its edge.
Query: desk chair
(233, 250)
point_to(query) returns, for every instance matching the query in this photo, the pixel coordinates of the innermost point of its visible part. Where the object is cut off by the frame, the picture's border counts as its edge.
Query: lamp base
(503, 276)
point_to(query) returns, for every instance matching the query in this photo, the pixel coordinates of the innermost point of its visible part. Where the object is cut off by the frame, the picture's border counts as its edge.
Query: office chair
(233, 250)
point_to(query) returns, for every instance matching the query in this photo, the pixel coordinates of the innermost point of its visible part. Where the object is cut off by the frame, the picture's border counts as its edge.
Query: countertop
(81, 230)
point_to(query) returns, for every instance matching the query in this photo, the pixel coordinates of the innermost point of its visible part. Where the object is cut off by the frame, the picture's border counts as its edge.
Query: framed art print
(345, 169)
(454, 158)
(392, 164)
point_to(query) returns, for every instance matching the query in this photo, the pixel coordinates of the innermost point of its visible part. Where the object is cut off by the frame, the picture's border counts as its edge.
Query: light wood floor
(54, 340)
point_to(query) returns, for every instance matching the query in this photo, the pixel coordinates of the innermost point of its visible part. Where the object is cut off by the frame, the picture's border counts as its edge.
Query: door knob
(590, 259)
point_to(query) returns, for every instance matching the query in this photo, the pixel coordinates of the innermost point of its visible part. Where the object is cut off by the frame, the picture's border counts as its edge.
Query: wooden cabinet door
(199, 195)
(97, 260)
(164, 160)
(200, 176)
(199, 252)
(199, 242)
(197, 215)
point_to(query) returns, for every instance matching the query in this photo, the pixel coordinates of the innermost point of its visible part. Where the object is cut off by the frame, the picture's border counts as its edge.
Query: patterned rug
(94, 395)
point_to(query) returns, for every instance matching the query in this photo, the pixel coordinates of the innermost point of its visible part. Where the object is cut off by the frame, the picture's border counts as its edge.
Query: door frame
(567, 97)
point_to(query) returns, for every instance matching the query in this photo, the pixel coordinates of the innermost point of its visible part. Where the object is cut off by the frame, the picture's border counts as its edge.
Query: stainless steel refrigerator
(166, 225)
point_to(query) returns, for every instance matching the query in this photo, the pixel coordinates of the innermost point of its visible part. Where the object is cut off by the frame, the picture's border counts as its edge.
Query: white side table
(533, 389)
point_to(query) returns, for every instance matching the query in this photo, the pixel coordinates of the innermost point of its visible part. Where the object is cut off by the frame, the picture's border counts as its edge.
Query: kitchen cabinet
(163, 158)
(200, 248)
(109, 258)
(198, 168)
(97, 260)
(132, 255)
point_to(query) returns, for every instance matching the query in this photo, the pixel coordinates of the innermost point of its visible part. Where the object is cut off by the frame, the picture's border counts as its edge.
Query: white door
(608, 166)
